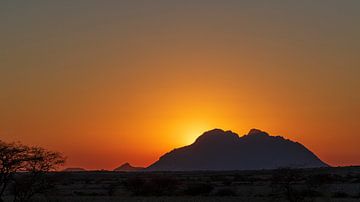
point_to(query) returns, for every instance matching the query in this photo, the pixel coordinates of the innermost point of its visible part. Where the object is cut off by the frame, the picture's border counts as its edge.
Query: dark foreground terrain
(322, 184)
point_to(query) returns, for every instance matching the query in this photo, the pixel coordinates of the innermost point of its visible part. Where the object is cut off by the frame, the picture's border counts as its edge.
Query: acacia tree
(283, 183)
(34, 178)
(12, 159)
(26, 167)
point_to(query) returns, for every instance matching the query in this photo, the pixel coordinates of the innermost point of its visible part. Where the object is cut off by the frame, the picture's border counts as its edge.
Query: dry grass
(327, 184)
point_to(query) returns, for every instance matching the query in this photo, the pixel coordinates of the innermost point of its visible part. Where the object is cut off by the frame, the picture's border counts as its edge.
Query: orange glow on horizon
(127, 82)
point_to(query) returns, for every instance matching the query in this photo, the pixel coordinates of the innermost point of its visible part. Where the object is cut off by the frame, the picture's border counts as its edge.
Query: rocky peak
(257, 133)
(217, 136)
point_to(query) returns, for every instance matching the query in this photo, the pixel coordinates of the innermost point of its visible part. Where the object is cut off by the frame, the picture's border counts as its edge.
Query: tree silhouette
(12, 159)
(283, 183)
(26, 167)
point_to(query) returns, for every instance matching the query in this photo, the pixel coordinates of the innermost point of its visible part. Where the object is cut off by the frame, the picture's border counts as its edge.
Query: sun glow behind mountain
(189, 132)
(126, 81)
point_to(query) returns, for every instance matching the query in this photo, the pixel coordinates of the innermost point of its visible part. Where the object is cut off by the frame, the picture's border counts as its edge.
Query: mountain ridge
(127, 167)
(225, 150)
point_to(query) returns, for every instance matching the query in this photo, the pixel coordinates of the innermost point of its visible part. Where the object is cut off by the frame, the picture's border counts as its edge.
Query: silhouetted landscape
(225, 150)
(126, 167)
(74, 169)
(141, 101)
(218, 166)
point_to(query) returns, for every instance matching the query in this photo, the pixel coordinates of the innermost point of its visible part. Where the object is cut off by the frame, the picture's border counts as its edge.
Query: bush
(111, 189)
(227, 182)
(198, 189)
(225, 192)
(155, 186)
(340, 194)
(312, 193)
(283, 184)
(135, 185)
(162, 186)
(357, 196)
(315, 181)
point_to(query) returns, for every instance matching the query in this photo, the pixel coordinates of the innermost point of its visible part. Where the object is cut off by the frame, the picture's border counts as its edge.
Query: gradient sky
(108, 82)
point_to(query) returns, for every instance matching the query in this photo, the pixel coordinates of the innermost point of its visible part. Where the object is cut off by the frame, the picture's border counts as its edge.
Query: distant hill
(74, 170)
(126, 167)
(225, 150)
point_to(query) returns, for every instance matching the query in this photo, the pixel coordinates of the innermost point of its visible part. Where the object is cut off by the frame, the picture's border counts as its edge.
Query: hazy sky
(108, 82)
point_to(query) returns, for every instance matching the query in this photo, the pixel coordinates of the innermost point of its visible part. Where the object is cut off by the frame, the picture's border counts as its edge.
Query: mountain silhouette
(126, 167)
(225, 150)
(74, 169)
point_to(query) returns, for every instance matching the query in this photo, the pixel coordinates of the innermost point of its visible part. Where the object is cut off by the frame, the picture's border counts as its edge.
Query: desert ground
(321, 184)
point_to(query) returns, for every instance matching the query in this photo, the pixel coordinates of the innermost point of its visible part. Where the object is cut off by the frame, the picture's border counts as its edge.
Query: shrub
(315, 181)
(198, 189)
(227, 182)
(357, 196)
(225, 192)
(283, 183)
(135, 185)
(162, 186)
(311, 193)
(340, 194)
(155, 186)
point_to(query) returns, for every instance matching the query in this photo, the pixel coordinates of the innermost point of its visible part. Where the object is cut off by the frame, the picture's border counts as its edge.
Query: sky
(109, 82)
